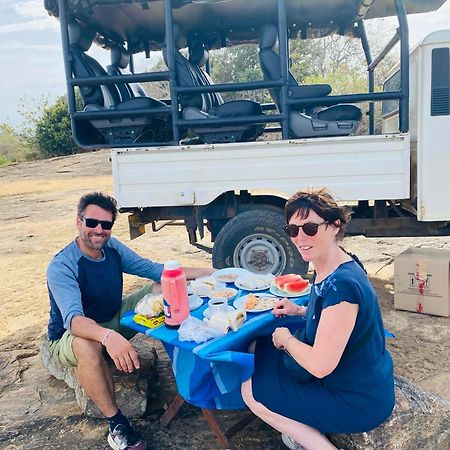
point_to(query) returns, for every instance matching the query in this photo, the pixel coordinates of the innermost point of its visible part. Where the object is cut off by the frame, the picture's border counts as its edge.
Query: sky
(31, 57)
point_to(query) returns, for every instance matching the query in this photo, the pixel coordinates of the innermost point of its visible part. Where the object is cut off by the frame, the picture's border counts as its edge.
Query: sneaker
(124, 438)
(290, 443)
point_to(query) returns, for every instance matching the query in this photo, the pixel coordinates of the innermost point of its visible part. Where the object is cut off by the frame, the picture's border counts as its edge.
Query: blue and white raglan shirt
(81, 286)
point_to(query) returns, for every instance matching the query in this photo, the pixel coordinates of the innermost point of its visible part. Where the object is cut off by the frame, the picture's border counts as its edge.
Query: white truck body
(353, 168)
(430, 134)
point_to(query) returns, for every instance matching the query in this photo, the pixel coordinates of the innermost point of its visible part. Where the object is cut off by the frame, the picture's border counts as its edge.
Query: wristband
(106, 336)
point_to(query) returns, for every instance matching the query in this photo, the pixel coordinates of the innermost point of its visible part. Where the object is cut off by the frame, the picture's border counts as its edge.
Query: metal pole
(284, 65)
(67, 58)
(404, 66)
(371, 73)
(170, 51)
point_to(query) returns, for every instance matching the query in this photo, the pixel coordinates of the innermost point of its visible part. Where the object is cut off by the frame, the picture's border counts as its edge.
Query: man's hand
(195, 272)
(122, 352)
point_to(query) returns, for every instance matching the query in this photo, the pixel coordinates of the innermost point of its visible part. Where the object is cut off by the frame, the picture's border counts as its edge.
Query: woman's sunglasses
(309, 228)
(92, 223)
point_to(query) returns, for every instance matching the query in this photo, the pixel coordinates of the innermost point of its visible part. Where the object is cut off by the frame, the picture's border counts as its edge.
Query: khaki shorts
(62, 348)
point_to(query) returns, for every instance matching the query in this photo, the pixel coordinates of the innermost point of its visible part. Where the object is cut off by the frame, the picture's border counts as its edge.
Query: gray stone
(133, 390)
(419, 421)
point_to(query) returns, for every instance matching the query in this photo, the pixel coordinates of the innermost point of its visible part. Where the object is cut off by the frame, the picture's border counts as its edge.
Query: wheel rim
(260, 253)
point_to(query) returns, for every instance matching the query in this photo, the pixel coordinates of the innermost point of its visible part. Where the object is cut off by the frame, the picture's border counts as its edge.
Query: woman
(347, 385)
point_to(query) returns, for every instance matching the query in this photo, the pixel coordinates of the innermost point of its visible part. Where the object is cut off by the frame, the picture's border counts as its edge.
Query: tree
(12, 148)
(47, 131)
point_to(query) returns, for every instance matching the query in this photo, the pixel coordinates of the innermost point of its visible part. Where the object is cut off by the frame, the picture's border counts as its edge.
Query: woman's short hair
(323, 204)
(97, 198)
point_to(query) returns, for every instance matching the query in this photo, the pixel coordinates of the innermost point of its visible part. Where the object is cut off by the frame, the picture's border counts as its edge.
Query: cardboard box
(422, 281)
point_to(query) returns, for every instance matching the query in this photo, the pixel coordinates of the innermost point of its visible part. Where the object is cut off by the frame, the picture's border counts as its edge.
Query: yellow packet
(149, 322)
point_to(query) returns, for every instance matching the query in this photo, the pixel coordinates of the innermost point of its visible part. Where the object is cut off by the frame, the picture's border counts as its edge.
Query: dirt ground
(37, 218)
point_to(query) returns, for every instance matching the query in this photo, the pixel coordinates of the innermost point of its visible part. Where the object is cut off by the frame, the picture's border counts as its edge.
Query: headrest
(198, 54)
(268, 37)
(119, 57)
(81, 37)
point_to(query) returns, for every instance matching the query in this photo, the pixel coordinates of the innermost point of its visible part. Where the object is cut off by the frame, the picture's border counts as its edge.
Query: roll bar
(170, 75)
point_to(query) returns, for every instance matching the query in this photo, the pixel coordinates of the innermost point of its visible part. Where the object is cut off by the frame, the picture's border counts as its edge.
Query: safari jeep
(228, 166)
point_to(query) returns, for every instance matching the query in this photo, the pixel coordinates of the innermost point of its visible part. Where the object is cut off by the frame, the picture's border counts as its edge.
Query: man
(85, 282)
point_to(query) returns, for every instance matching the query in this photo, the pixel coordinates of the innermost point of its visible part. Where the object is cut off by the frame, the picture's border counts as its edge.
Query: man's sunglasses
(93, 223)
(309, 228)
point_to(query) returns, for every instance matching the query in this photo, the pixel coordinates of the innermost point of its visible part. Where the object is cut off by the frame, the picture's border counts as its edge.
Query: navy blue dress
(359, 394)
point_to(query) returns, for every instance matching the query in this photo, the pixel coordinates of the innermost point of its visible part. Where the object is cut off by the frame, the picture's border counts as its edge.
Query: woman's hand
(280, 337)
(285, 307)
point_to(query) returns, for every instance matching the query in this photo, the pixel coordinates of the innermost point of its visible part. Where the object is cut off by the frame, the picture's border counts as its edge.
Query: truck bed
(353, 168)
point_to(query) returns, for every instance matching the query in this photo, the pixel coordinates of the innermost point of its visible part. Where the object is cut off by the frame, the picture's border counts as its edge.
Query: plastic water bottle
(174, 290)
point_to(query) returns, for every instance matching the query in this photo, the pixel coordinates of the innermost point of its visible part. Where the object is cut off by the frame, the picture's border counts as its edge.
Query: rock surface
(132, 390)
(420, 420)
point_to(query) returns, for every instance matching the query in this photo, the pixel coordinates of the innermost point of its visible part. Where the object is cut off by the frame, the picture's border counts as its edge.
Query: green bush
(53, 137)
(13, 148)
(4, 160)
(47, 132)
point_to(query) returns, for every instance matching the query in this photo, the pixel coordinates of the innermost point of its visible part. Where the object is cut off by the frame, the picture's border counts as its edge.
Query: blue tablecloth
(209, 375)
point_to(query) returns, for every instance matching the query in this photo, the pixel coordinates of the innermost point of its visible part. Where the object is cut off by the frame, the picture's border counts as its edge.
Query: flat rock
(133, 390)
(420, 420)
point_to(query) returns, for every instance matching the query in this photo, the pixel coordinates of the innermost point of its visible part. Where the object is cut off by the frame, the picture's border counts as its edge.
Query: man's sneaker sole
(140, 445)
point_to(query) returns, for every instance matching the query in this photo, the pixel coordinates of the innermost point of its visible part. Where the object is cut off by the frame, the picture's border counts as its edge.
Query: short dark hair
(97, 198)
(323, 204)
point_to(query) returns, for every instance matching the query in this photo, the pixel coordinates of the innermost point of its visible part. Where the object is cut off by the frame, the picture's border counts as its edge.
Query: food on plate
(200, 289)
(236, 318)
(227, 277)
(223, 321)
(210, 281)
(219, 321)
(255, 281)
(223, 293)
(150, 305)
(296, 287)
(252, 301)
(283, 279)
(259, 302)
(291, 283)
(203, 286)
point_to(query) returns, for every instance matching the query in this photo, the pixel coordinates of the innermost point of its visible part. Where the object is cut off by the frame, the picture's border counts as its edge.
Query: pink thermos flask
(174, 290)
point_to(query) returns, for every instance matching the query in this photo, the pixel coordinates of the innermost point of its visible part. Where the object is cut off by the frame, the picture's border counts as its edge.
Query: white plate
(230, 274)
(203, 290)
(195, 302)
(247, 283)
(206, 311)
(227, 293)
(240, 302)
(275, 291)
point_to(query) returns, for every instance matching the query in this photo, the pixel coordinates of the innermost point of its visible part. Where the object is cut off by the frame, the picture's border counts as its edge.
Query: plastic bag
(193, 329)
(151, 305)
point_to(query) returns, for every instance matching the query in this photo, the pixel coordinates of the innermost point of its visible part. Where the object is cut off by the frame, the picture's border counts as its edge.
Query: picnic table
(209, 375)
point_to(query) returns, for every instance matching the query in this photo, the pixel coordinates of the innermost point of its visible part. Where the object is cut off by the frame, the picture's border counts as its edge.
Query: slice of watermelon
(283, 279)
(296, 287)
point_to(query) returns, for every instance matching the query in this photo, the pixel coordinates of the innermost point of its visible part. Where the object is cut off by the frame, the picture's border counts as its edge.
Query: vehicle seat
(108, 97)
(304, 121)
(208, 105)
(120, 59)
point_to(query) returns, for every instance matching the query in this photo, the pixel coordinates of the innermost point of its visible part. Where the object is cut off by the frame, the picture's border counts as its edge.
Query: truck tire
(255, 240)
